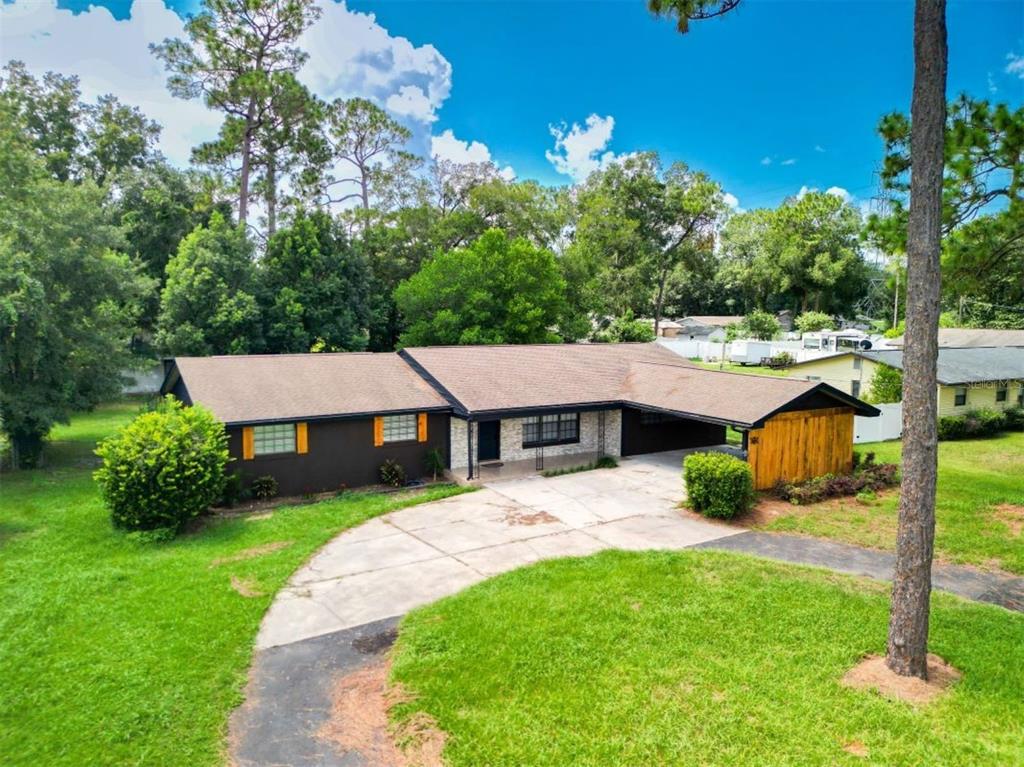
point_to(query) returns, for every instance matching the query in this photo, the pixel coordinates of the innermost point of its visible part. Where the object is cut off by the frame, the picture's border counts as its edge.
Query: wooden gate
(801, 444)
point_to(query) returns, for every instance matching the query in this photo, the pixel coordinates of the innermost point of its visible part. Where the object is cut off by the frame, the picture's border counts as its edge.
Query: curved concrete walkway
(409, 558)
(340, 611)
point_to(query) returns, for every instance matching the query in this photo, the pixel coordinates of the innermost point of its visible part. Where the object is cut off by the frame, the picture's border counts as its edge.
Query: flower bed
(867, 476)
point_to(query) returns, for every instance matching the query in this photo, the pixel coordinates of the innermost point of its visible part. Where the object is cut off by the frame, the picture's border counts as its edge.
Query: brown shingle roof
(252, 388)
(484, 378)
(732, 397)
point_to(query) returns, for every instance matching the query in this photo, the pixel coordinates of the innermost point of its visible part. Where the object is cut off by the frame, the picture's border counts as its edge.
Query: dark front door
(489, 441)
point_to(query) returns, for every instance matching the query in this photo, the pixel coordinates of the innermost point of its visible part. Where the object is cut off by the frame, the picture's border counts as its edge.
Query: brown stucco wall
(638, 438)
(341, 452)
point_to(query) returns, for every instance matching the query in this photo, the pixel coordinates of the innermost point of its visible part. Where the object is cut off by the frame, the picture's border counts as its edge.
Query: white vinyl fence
(711, 351)
(889, 425)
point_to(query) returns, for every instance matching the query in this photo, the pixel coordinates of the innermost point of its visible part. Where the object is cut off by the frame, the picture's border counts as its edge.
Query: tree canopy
(496, 290)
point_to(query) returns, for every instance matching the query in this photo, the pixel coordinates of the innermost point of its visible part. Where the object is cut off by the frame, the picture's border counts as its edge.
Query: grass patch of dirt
(1012, 516)
(873, 674)
(251, 553)
(247, 587)
(359, 722)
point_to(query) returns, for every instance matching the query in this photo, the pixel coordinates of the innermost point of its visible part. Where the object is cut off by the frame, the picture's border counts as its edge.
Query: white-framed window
(400, 428)
(960, 396)
(1001, 394)
(274, 438)
(857, 363)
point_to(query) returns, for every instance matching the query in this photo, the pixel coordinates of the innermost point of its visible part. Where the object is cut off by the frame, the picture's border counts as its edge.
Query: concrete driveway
(409, 558)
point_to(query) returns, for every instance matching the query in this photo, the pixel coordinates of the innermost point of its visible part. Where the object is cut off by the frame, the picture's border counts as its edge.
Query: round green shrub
(952, 427)
(718, 485)
(164, 468)
(264, 488)
(1014, 417)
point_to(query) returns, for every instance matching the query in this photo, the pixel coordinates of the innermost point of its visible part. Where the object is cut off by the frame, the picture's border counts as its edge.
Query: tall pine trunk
(243, 181)
(271, 194)
(908, 620)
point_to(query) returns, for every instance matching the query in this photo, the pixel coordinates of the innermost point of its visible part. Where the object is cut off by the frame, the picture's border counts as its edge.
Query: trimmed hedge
(980, 423)
(164, 468)
(718, 485)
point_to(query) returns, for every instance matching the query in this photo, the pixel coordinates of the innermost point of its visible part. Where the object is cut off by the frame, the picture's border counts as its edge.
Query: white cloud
(819, 148)
(790, 161)
(766, 160)
(1015, 65)
(838, 191)
(448, 147)
(582, 149)
(350, 54)
(109, 56)
(731, 200)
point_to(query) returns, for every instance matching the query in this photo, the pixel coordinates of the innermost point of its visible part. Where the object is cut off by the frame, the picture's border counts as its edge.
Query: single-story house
(321, 421)
(971, 337)
(711, 328)
(968, 379)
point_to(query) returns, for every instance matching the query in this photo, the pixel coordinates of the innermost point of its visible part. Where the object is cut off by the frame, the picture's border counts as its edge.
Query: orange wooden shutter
(421, 427)
(378, 431)
(301, 438)
(248, 443)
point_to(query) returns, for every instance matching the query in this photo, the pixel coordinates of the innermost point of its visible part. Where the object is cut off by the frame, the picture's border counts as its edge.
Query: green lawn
(698, 658)
(975, 477)
(753, 370)
(118, 653)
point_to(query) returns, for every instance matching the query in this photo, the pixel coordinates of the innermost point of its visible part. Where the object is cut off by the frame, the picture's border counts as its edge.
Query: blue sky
(775, 96)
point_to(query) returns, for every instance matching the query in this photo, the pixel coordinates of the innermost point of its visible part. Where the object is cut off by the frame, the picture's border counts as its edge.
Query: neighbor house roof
(735, 398)
(254, 388)
(486, 378)
(954, 366)
(962, 337)
(711, 320)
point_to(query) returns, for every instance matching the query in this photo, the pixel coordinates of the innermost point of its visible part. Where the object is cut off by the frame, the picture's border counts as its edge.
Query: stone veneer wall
(512, 439)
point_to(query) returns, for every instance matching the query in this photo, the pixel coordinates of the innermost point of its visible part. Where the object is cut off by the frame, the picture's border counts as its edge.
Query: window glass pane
(274, 438)
(960, 397)
(1000, 395)
(551, 429)
(400, 428)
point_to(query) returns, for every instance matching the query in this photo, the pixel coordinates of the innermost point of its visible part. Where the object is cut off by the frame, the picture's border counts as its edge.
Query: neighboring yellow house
(969, 379)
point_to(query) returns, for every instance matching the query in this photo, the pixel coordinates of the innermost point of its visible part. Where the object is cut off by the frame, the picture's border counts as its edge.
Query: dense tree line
(309, 226)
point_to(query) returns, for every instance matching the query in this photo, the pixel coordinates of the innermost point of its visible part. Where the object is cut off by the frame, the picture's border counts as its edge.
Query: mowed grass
(698, 658)
(978, 480)
(753, 370)
(119, 653)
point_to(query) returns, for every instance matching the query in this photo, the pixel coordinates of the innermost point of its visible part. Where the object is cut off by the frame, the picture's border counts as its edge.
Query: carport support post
(469, 446)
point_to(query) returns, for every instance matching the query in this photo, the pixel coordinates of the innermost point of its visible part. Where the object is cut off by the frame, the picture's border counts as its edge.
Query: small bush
(233, 491)
(605, 462)
(718, 485)
(984, 422)
(264, 488)
(392, 473)
(164, 468)
(1014, 418)
(434, 461)
(867, 477)
(781, 360)
(952, 427)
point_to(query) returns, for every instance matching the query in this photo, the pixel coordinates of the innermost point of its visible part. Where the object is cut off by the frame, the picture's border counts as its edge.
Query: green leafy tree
(813, 322)
(760, 325)
(314, 288)
(886, 385)
(626, 329)
(815, 240)
(367, 144)
(636, 226)
(236, 57)
(77, 140)
(163, 469)
(208, 304)
(68, 299)
(748, 269)
(496, 290)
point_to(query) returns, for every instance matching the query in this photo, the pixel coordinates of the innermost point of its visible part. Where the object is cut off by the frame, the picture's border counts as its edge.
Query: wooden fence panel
(801, 444)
